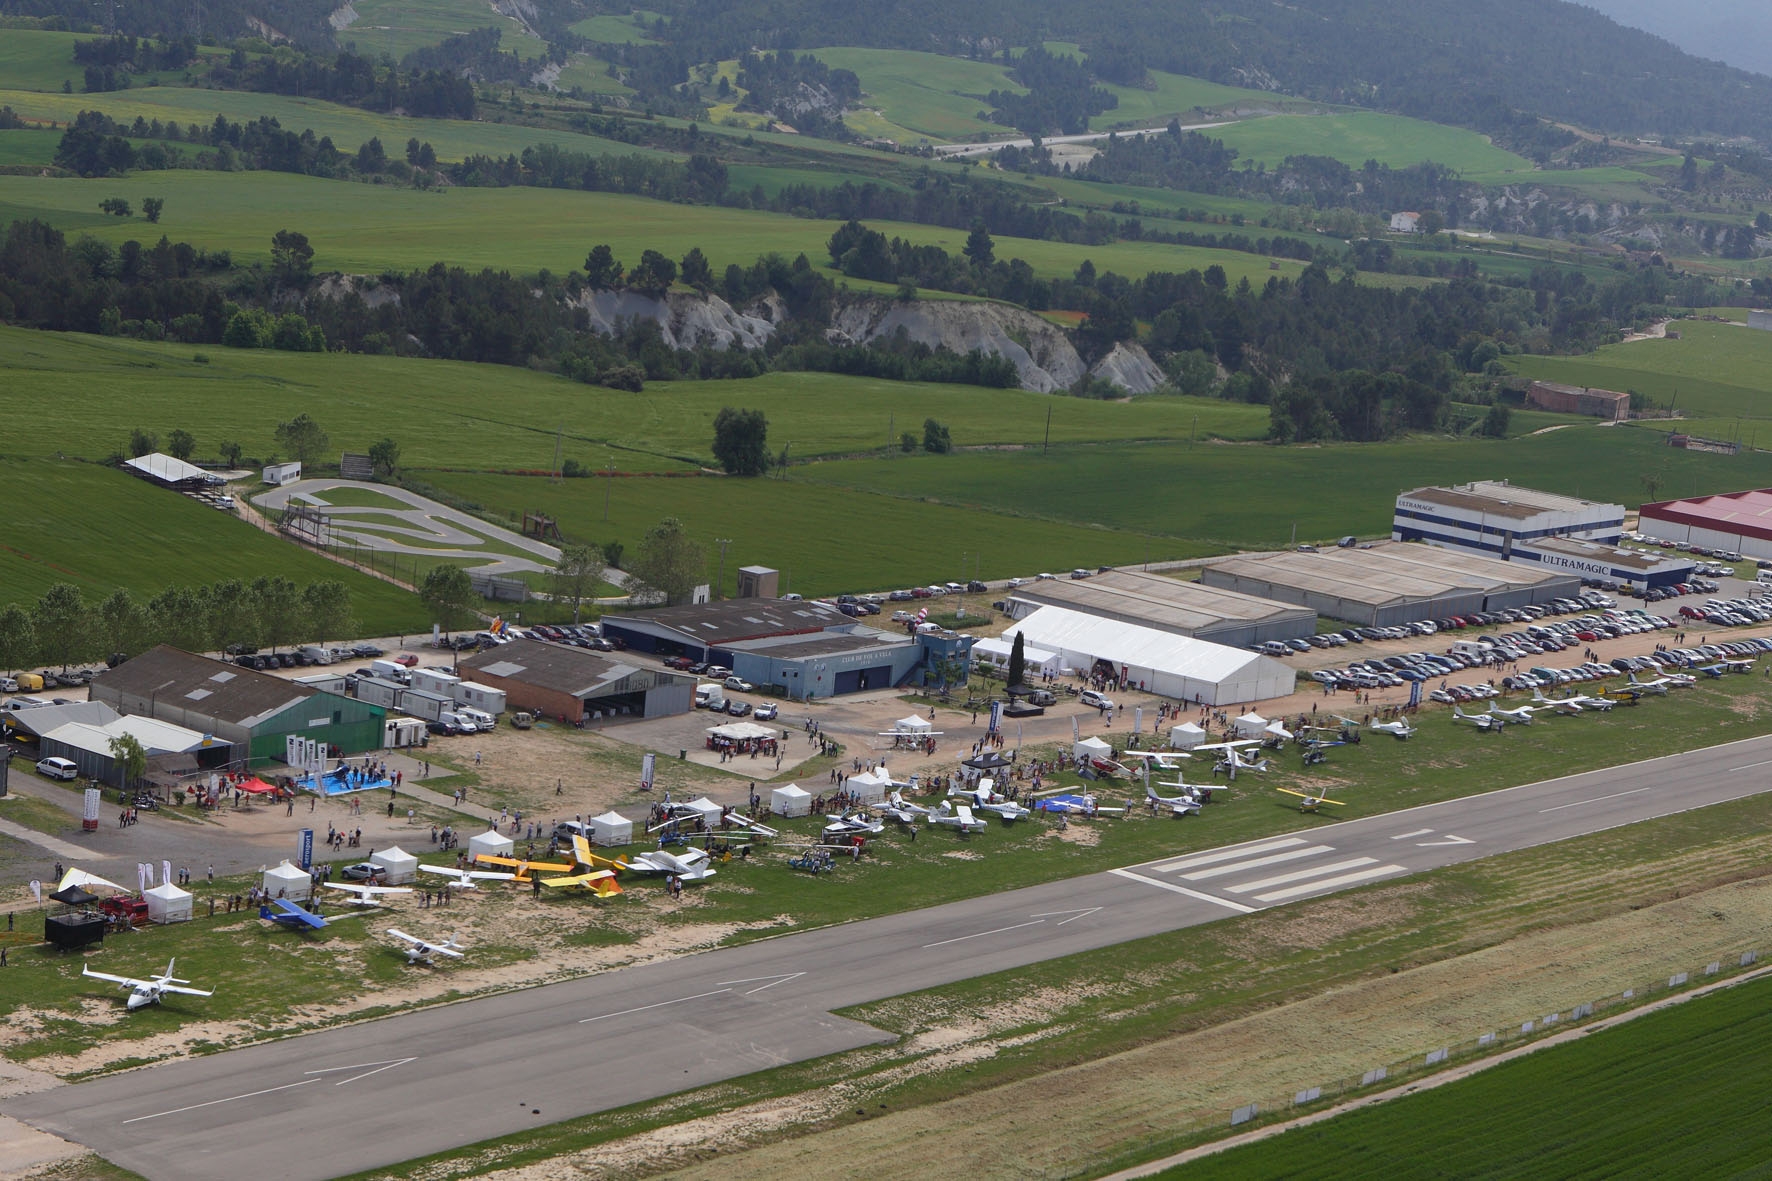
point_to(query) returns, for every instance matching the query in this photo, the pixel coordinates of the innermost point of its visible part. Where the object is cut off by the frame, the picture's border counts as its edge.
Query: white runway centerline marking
(1346, 879)
(1256, 863)
(1298, 875)
(1175, 889)
(249, 1095)
(1595, 800)
(1751, 766)
(982, 934)
(1227, 855)
(659, 1005)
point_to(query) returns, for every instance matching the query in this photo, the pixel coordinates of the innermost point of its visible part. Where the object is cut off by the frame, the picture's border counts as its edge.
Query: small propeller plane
(1162, 760)
(1177, 806)
(1310, 803)
(1573, 704)
(420, 951)
(288, 914)
(1399, 728)
(600, 882)
(467, 879)
(1739, 666)
(902, 810)
(363, 894)
(1518, 716)
(852, 824)
(1660, 685)
(520, 868)
(1713, 671)
(1482, 721)
(959, 817)
(150, 991)
(692, 865)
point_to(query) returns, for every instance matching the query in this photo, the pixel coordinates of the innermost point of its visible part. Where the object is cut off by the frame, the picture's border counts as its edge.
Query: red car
(681, 663)
(407, 659)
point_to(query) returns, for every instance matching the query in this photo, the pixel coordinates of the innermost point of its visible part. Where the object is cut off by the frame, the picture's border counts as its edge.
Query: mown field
(397, 27)
(40, 59)
(930, 95)
(369, 228)
(447, 414)
(1713, 371)
(1356, 136)
(101, 529)
(1232, 496)
(1675, 1093)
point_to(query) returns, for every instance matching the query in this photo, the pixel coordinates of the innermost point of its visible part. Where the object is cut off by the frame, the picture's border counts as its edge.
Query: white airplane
(1311, 803)
(1401, 728)
(1570, 705)
(364, 894)
(961, 818)
(1482, 721)
(1181, 805)
(1520, 716)
(149, 991)
(467, 879)
(1162, 760)
(1234, 760)
(692, 865)
(1739, 666)
(902, 810)
(984, 799)
(1659, 686)
(420, 951)
(853, 824)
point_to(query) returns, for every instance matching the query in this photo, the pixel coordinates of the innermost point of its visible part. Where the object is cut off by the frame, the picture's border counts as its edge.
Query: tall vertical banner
(647, 766)
(89, 816)
(166, 872)
(1414, 693)
(307, 848)
(1138, 720)
(1075, 733)
(996, 716)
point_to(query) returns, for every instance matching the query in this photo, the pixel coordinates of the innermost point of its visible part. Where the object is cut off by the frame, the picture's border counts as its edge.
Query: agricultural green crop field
(24, 146)
(457, 414)
(614, 30)
(1713, 370)
(931, 95)
(1235, 496)
(1175, 95)
(1357, 136)
(101, 529)
(372, 228)
(1674, 1093)
(397, 27)
(349, 127)
(39, 59)
(590, 74)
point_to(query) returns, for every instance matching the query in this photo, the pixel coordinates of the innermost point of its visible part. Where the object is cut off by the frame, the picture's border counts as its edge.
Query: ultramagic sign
(1582, 566)
(1418, 507)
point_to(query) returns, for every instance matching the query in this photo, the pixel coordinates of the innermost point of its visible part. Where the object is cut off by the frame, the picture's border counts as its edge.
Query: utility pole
(720, 579)
(1048, 443)
(608, 483)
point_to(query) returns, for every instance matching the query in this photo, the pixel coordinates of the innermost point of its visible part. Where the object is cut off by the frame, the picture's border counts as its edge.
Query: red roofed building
(1737, 521)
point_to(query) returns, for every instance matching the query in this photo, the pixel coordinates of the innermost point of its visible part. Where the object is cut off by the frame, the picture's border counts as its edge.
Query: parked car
(738, 707)
(680, 663)
(1095, 700)
(767, 712)
(976, 587)
(739, 685)
(365, 871)
(56, 767)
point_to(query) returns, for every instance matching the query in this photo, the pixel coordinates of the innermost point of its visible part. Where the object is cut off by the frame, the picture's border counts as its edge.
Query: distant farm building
(1761, 320)
(1405, 223)
(1574, 399)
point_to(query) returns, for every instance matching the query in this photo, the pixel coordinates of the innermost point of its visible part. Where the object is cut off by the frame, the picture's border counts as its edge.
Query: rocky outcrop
(684, 321)
(1042, 354)
(1130, 368)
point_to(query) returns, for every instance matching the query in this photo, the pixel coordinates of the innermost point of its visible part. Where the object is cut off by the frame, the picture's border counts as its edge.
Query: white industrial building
(1492, 517)
(1164, 663)
(1170, 605)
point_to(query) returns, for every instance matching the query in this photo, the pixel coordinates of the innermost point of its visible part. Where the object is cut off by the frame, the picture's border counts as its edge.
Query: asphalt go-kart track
(389, 1090)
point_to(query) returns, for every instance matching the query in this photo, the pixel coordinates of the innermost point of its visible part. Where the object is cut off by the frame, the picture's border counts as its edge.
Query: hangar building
(1174, 666)
(1391, 583)
(1492, 517)
(1739, 522)
(560, 681)
(1169, 605)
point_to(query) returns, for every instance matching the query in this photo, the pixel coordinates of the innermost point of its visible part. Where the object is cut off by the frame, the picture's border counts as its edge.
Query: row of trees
(63, 628)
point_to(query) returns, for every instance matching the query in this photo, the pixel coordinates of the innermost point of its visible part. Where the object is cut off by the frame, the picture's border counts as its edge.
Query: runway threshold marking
(211, 1103)
(1751, 766)
(1596, 799)
(1299, 875)
(1256, 862)
(1227, 855)
(657, 1005)
(779, 978)
(1175, 889)
(385, 1064)
(1346, 879)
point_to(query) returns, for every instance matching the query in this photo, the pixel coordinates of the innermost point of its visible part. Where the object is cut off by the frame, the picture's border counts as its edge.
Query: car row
(1730, 612)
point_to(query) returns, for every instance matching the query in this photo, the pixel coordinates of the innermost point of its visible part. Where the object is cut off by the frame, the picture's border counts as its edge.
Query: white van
(1763, 578)
(479, 717)
(317, 655)
(1472, 648)
(58, 768)
(14, 704)
(710, 696)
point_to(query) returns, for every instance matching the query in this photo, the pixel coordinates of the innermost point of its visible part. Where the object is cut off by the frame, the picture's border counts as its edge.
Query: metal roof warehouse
(1740, 522)
(1170, 605)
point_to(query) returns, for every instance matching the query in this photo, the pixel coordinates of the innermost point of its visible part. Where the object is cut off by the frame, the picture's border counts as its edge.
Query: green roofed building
(250, 709)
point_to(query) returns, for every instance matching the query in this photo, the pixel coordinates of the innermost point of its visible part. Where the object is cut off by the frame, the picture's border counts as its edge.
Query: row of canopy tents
(166, 902)
(866, 787)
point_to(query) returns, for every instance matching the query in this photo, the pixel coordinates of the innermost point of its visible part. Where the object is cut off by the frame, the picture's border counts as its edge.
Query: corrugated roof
(226, 692)
(557, 667)
(1388, 573)
(1498, 499)
(1167, 603)
(740, 619)
(165, 468)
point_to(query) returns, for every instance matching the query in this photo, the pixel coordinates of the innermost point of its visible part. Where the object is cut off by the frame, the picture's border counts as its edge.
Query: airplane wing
(125, 981)
(445, 870)
(581, 849)
(484, 875)
(295, 912)
(356, 888)
(398, 934)
(182, 991)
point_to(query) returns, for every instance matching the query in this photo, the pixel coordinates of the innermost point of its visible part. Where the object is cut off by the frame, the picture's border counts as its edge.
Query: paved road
(986, 147)
(374, 1094)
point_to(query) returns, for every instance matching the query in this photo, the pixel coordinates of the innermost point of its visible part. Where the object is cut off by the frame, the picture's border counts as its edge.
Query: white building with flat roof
(1492, 516)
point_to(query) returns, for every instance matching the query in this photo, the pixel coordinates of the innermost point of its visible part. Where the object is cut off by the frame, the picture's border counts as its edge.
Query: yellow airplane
(1310, 803)
(600, 882)
(522, 867)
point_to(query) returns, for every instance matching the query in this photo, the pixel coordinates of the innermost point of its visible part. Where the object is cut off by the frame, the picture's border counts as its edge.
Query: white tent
(612, 828)
(86, 881)
(869, 787)
(492, 843)
(1250, 725)
(288, 881)
(402, 866)
(1091, 748)
(913, 725)
(710, 811)
(1186, 736)
(1034, 660)
(791, 800)
(1181, 668)
(168, 904)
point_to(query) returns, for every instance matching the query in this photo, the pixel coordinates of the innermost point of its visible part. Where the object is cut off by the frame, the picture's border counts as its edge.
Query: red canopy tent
(256, 786)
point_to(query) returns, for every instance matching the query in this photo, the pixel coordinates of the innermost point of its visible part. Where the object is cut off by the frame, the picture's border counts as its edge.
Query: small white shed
(1250, 725)
(288, 881)
(869, 787)
(492, 843)
(791, 800)
(612, 828)
(1186, 736)
(913, 725)
(1091, 748)
(168, 904)
(402, 866)
(710, 811)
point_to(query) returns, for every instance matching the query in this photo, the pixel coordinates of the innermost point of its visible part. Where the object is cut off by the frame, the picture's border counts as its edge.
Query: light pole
(720, 579)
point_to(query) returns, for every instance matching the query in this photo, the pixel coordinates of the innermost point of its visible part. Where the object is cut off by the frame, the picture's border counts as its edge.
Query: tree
(142, 443)
(120, 622)
(602, 270)
(1431, 222)
(59, 621)
(116, 206)
(1495, 422)
(151, 207)
(1652, 482)
(384, 456)
(180, 443)
(18, 638)
(179, 616)
(980, 250)
(302, 437)
(935, 438)
(575, 576)
(230, 451)
(1018, 662)
(696, 270)
(654, 275)
(327, 605)
(279, 606)
(233, 614)
(292, 259)
(449, 593)
(741, 441)
(130, 759)
(669, 563)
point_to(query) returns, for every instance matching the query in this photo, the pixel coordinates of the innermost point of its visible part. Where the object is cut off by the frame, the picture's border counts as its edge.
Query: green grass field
(615, 30)
(369, 228)
(25, 146)
(1357, 136)
(1713, 370)
(449, 414)
(39, 59)
(928, 94)
(1235, 496)
(101, 529)
(1175, 95)
(397, 27)
(1642, 1099)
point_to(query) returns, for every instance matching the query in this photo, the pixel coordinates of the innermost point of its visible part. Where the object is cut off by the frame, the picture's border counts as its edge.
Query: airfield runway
(374, 1094)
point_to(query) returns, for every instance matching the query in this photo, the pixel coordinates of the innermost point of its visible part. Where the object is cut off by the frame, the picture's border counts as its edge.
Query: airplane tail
(264, 912)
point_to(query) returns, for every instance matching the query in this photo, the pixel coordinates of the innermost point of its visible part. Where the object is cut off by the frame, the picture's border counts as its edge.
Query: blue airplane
(288, 914)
